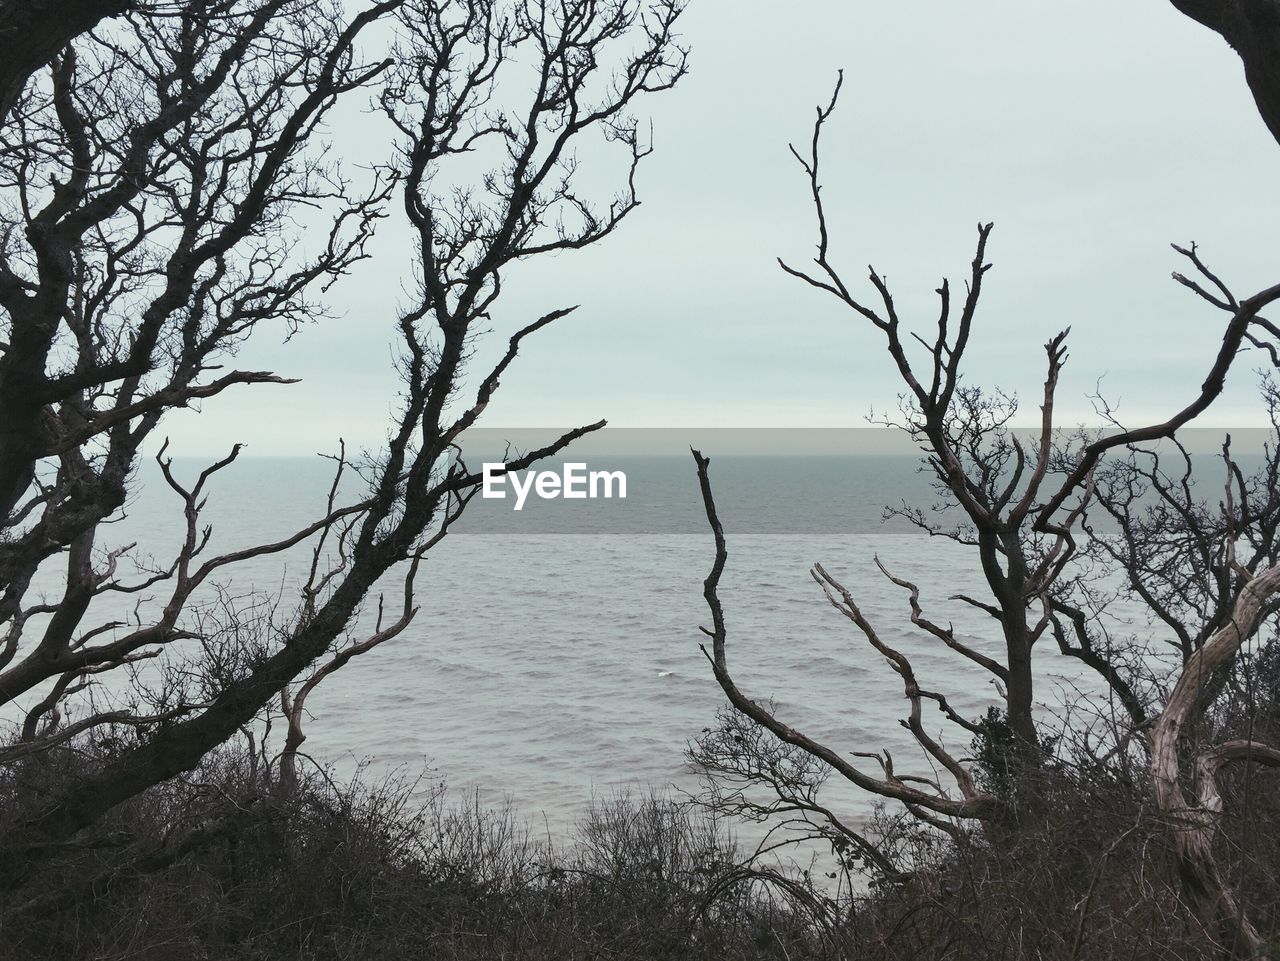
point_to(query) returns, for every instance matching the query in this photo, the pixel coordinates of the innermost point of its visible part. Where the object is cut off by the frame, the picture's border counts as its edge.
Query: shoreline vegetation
(400, 868)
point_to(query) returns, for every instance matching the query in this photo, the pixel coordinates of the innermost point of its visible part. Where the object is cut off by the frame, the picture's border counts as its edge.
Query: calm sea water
(556, 654)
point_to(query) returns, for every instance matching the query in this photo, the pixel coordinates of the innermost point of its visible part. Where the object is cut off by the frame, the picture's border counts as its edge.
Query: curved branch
(976, 805)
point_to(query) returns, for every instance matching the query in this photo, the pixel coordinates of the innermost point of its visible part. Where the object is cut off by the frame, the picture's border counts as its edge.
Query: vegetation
(1062, 524)
(398, 869)
(154, 183)
(389, 870)
(155, 160)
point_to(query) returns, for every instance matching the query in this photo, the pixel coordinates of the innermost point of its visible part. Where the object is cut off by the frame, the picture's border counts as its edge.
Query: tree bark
(1252, 28)
(33, 31)
(1194, 825)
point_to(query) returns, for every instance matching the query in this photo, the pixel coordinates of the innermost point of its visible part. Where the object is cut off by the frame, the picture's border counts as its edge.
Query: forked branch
(971, 804)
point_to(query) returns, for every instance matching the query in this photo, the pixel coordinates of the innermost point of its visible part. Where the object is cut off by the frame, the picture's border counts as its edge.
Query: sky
(1093, 133)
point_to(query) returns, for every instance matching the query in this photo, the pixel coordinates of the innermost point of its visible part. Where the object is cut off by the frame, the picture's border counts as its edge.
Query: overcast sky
(1092, 132)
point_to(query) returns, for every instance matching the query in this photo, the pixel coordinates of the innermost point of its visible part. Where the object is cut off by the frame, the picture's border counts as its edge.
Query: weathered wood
(1194, 825)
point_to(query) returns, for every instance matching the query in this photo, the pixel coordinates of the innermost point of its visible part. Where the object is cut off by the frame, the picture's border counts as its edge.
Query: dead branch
(970, 805)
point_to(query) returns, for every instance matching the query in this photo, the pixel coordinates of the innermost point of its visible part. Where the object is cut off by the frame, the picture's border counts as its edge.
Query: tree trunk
(1194, 826)
(1252, 27)
(33, 31)
(1021, 699)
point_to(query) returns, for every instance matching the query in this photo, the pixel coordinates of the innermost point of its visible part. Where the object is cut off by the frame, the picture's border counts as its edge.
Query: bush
(220, 865)
(217, 865)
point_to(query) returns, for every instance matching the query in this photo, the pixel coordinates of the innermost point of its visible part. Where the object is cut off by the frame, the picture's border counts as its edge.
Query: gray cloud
(1092, 133)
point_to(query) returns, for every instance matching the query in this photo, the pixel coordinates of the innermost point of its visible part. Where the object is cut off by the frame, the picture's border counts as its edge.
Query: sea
(556, 656)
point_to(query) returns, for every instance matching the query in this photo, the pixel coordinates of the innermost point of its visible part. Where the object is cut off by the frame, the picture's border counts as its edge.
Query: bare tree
(1206, 573)
(1180, 726)
(150, 183)
(1020, 503)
